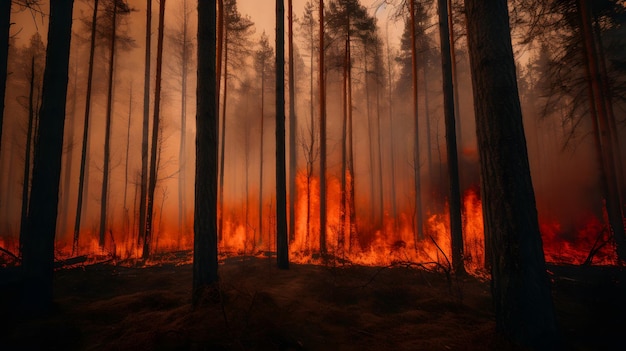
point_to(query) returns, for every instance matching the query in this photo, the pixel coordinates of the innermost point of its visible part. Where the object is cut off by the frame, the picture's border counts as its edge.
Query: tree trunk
(182, 154)
(372, 201)
(455, 75)
(293, 130)
(223, 139)
(84, 149)
(419, 226)
(456, 224)
(260, 240)
(282, 240)
(205, 207)
(156, 119)
(218, 86)
(351, 207)
(38, 249)
(521, 294)
(107, 136)
(5, 25)
(322, 92)
(27, 155)
(344, 150)
(126, 218)
(391, 134)
(146, 127)
(67, 172)
(605, 145)
(379, 139)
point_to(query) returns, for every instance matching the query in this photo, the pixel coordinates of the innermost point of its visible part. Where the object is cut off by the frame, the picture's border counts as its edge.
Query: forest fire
(586, 242)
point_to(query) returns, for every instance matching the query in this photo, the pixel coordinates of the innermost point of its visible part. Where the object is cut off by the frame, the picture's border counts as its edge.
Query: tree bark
(521, 294)
(182, 154)
(293, 130)
(322, 92)
(419, 226)
(5, 25)
(282, 239)
(85, 142)
(156, 119)
(146, 127)
(456, 224)
(260, 231)
(38, 249)
(107, 134)
(205, 208)
(27, 155)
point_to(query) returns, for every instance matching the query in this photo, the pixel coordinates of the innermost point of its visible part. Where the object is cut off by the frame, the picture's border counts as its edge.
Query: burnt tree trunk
(322, 92)
(205, 207)
(456, 223)
(85, 142)
(282, 240)
(293, 130)
(38, 249)
(146, 127)
(156, 119)
(519, 285)
(107, 134)
(5, 25)
(419, 226)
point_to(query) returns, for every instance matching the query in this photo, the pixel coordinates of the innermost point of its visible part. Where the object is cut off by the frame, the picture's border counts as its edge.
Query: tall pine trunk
(146, 127)
(85, 142)
(391, 134)
(219, 57)
(222, 140)
(282, 240)
(260, 230)
(5, 24)
(322, 92)
(205, 206)
(107, 134)
(182, 149)
(519, 284)
(38, 249)
(419, 226)
(456, 224)
(27, 155)
(293, 131)
(156, 119)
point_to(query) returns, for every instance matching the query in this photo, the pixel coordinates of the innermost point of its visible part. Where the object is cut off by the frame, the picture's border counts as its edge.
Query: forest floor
(308, 307)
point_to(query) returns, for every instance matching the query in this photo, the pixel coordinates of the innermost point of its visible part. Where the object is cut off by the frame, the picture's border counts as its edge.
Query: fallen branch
(9, 253)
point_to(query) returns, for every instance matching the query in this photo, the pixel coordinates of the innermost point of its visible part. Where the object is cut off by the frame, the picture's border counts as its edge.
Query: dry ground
(308, 307)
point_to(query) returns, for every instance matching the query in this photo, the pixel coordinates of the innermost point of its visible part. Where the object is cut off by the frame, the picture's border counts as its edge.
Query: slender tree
(38, 248)
(85, 141)
(27, 156)
(419, 225)
(322, 103)
(5, 24)
(519, 286)
(146, 127)
(282, 240)
(293, 130)
(107, 133)
(205, 207)
(456, 224)
(156, 120)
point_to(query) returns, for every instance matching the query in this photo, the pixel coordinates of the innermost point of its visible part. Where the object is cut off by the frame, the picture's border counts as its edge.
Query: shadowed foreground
(105, 307)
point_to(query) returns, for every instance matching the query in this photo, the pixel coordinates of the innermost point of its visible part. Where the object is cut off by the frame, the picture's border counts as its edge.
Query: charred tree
(293, 130)
(38, 244)
(85, 141)
(27, 155)
(205, 207)
(322, 102)
(282, 239)
(419, 226)
(521, 294)
(456, 224)
(5, 24)
(143, 186)
(104, 194)
(156, 119)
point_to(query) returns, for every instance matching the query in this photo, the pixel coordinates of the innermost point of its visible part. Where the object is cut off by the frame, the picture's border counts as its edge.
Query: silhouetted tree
(38, 245)
(205, 208)
(282, 241)
(519, 286)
